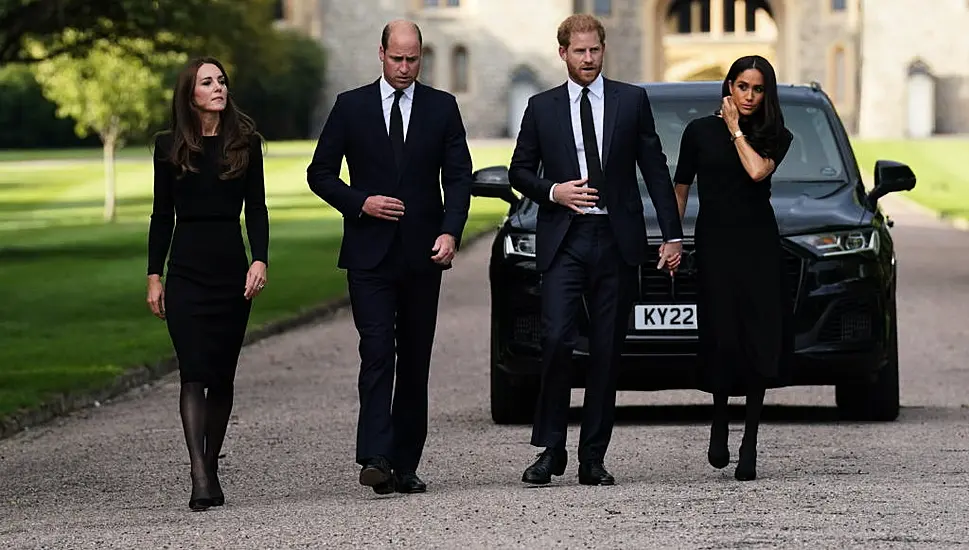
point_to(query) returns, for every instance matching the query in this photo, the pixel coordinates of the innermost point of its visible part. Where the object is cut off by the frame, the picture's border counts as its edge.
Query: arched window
(459, 69)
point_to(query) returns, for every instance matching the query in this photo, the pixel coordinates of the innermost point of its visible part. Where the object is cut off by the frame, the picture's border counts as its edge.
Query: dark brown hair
(765, 126)
(579, 23)
(236, 129)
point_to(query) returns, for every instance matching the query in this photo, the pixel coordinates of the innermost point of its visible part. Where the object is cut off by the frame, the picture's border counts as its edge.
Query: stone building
(890, 66)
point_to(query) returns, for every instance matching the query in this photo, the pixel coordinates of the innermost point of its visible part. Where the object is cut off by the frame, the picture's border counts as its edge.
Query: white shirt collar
(596, 89)
(386, 90)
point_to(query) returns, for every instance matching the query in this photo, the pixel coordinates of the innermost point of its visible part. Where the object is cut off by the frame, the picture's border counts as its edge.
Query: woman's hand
(730, 114)
(255, 279)
(156, 296)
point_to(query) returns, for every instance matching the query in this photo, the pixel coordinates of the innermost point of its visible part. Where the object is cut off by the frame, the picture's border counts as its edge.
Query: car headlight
(837, 243)
(520, 245)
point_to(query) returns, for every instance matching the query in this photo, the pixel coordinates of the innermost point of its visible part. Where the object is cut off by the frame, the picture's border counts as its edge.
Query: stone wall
(896, 33)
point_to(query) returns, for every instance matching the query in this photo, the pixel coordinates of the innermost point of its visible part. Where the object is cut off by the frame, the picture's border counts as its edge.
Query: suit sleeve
(257, 215)
(456, 176)
(523, 170)
(162, 223)
(323, 173)
(656, 173)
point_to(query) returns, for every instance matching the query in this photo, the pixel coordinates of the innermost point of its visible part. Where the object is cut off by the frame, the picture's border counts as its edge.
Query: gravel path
(117, 476)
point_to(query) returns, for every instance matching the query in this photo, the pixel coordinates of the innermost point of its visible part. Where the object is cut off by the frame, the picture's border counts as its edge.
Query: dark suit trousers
(395, 311)
(588, 263)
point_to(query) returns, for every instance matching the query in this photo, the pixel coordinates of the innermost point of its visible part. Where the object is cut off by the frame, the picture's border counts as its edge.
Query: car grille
(657, 286)
(850, 320)
(527, 329)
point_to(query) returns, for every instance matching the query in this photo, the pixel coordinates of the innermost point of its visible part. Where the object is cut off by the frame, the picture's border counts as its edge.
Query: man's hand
(575, 195)
(443, 249)
(385, 208)
(669, 255)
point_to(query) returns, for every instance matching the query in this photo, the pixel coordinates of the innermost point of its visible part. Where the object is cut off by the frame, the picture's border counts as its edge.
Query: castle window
(459, 69)
(427, 66)
(839, 5)
(603, 7)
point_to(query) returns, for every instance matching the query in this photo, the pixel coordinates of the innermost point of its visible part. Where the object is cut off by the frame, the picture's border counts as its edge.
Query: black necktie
(397, 128)
(593, 166)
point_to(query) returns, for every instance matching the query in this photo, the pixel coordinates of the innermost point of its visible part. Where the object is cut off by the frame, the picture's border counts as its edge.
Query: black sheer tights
(205, 419)
(718, 453)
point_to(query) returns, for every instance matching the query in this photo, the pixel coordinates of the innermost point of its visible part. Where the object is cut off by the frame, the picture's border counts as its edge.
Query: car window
(813, 156)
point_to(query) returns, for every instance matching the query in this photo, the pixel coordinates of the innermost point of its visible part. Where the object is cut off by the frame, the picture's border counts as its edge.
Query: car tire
(877, 401)
(512, 401)
(512, 398)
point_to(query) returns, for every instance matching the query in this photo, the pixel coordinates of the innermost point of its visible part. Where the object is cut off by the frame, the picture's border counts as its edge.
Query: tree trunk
(110, 142)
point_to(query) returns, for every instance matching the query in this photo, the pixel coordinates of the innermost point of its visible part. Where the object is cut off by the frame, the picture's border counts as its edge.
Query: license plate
(665, 317)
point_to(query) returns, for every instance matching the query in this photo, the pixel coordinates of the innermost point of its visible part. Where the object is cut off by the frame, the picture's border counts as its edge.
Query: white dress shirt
(387, 101)
(597, 101)
(596, 95)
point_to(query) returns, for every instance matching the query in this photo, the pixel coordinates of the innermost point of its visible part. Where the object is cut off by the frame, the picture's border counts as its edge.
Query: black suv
(839, 251)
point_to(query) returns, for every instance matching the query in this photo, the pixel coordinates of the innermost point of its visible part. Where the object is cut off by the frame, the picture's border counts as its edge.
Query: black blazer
(436, 155)
(629, 137)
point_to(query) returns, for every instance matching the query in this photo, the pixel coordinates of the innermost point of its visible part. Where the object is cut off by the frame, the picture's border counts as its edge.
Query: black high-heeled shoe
(718, 454)
(201, 498)
(218, 497)
(747, 463)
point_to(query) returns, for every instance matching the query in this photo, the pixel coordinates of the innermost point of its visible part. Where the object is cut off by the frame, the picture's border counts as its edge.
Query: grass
(72, 289)
(942, 183)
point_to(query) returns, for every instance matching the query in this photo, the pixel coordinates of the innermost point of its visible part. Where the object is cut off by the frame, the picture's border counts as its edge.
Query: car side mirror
(890, 176)
(493, 182)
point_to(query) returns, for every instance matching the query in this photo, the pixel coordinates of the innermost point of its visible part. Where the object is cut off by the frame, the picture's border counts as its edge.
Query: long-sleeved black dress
(744, 303)
(195, 224)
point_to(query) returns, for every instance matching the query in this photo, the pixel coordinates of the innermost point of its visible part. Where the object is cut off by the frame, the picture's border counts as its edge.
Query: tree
(198, 25)
(116, 90)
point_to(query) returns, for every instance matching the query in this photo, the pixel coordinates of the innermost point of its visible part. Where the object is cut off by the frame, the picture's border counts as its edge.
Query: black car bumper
(840, 323)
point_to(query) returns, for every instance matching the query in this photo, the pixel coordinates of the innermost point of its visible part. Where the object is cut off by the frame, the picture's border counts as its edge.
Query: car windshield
(814, 154)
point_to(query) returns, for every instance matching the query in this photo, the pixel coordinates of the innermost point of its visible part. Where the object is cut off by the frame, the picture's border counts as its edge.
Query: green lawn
(942, 183)
(72, 289)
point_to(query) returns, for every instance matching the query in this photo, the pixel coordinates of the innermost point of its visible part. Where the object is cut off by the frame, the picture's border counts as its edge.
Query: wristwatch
(736, 135)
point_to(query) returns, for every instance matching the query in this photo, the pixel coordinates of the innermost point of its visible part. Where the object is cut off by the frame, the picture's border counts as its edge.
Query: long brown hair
(235, 127)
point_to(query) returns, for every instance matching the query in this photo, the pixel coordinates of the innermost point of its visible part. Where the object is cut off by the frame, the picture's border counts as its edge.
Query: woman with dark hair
(743, 304)
(207, 165)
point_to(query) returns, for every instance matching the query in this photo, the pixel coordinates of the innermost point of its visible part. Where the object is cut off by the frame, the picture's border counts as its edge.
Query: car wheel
(512, 398)
(512, 401)
(879, 400)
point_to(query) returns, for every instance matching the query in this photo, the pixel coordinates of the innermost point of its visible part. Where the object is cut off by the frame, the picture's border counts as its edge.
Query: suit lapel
(564, 115)
(610, 97)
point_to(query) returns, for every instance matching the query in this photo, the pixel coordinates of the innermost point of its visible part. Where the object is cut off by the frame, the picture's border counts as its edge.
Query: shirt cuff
(674, 240)
(550, 190)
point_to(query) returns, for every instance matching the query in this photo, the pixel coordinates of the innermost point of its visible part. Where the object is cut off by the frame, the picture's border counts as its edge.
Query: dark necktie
(593, 166)
(397, 128)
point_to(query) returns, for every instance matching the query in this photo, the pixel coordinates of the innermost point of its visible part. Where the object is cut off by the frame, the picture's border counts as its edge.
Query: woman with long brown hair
(743, 311)
(206, 167)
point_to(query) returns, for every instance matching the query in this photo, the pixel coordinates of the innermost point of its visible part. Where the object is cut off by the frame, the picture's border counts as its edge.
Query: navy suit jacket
(436, 155)
(629, 138)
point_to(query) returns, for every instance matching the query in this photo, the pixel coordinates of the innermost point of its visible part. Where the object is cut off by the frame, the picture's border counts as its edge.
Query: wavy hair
(235, 129)
(763, 129)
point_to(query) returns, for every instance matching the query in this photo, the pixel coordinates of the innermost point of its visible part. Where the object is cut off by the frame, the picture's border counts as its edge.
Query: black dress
(206, 310)
(744, 304)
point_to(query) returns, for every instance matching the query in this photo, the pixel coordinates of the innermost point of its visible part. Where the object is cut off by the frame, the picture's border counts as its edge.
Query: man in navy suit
(589, 135)
(403, 141)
